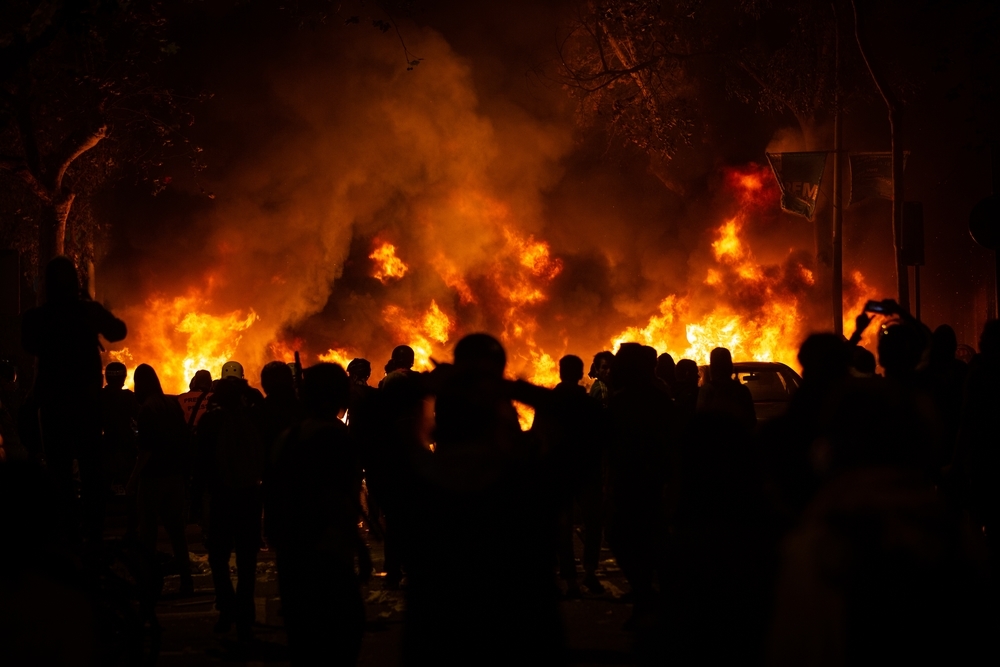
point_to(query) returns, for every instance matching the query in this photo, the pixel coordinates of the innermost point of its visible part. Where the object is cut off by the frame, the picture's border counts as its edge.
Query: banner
(799, 176)
(871, 175)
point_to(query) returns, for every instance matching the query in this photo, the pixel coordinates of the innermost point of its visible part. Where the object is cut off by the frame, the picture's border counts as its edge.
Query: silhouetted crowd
(858, 526)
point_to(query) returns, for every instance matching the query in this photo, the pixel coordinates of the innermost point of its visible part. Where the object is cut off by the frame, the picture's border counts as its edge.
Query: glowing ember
(177, 339)
(387, 266)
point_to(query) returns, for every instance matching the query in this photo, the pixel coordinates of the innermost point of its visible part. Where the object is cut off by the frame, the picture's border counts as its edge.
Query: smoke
(324, 145)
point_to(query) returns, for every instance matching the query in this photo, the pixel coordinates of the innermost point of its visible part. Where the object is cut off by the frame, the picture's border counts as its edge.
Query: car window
(766, 385)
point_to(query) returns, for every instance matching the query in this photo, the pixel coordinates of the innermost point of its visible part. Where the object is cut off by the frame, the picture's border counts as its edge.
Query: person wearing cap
(231, 448)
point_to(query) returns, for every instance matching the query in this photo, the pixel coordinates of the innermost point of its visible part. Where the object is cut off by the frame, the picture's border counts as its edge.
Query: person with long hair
(158, 478)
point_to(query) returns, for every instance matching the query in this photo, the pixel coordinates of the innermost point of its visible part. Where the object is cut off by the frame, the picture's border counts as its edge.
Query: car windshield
(766, 385)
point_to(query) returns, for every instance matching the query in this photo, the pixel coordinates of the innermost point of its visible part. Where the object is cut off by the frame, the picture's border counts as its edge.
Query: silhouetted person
(900, 347)
(119, 409)
(686, 395)
(642, 459)
(788, 442)
(362, 422)
(724, 394)
(571, 429)
(401, 361)
(195, 401)
(878, 570)
(282, 409)
(978, 455)
(481, 520)
(862, 362)
(943, 380)
(161, 469)
(600, 371)
(666, 370)
(63, 335)
(391, 440)
(718, 586)
(311, 521)
(232, 448)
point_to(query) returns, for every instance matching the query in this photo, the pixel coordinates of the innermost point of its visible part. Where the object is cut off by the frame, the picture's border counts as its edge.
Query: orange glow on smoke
(387, 266)
(453, 278)
(177, 338)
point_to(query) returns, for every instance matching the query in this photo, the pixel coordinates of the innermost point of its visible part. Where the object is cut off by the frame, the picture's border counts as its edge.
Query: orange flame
(337, 356)
(177, 339)
(387, 265)
(420, 333)
(764, 326)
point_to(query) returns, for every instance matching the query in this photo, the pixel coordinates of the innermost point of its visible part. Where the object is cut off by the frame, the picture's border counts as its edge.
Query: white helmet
(232, 369)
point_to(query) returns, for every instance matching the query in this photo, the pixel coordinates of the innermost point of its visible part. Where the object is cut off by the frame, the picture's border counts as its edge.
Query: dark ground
(593, 624)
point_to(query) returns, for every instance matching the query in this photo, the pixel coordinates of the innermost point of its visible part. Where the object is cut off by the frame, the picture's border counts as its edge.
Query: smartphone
(876, 307)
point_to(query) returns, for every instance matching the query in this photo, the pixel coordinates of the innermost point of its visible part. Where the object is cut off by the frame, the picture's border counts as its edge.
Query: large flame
(757, 312)
(752, 308)
(424, 333)
(178, 337)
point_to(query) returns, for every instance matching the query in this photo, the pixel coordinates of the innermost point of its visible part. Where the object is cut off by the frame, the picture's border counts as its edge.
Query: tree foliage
(81, 94)
(636, 64)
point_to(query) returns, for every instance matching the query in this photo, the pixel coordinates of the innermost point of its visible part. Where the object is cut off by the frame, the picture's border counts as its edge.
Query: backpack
(239, 448)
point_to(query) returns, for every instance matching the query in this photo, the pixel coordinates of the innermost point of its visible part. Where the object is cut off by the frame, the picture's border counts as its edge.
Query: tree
(636, 64)
(82, 92)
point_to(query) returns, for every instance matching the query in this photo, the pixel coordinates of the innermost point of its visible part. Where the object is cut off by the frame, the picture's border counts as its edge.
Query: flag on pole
(799, 176)
(871, 175)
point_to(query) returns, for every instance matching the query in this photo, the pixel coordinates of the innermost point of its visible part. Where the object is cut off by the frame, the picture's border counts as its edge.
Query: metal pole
(916, 291)
(838, 194)
(995, 178)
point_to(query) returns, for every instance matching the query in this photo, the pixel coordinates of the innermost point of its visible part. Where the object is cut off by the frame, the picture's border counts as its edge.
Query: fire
(755, 311)
(453, 278)
(525, 415)
(177, 338)
(387, 266)
(728, 248)
(420, 333)
(337, 356)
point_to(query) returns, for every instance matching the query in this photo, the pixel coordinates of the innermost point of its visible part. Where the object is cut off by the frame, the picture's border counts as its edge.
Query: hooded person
(63, 335)
(232, 450)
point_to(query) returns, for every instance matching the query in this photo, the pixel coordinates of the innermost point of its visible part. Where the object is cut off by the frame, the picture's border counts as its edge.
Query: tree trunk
(52, 228)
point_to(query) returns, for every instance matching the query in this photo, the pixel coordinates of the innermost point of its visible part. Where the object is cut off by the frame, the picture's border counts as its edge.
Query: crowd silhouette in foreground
(861, 526)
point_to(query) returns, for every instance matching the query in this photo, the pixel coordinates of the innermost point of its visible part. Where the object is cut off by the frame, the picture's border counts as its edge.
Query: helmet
(232, 369)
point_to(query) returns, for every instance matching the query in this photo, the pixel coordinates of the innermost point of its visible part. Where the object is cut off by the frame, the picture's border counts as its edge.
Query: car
(771, 384)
